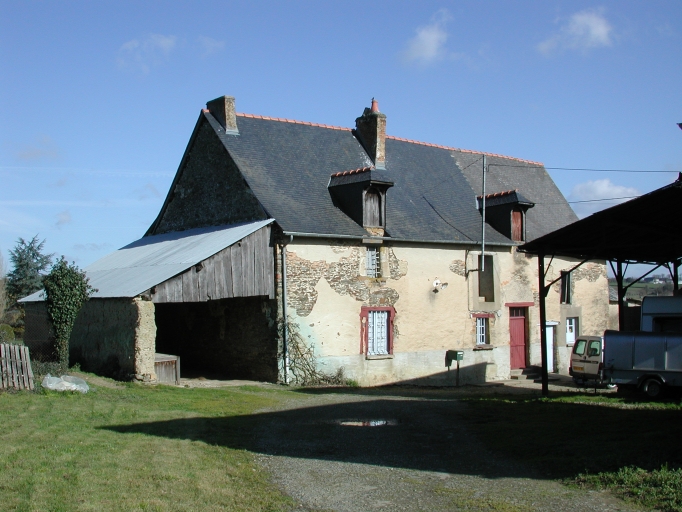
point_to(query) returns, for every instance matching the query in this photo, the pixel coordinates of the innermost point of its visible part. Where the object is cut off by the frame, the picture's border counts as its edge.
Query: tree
(29, 265)
(66, 290)
(3, 289)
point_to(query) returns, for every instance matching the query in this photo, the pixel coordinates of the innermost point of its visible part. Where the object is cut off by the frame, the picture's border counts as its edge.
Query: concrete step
(524, 373)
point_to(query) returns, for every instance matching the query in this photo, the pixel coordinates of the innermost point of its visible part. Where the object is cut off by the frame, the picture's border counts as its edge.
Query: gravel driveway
(403, 451)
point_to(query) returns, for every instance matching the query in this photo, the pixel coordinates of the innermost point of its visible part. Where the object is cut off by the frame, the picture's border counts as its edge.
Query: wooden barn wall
(245, 269)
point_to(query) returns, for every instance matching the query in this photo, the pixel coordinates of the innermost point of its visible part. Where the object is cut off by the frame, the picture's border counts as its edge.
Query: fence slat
(17, 359)
(3, 367)
(24, 371)
(29, 371)
(13, 367)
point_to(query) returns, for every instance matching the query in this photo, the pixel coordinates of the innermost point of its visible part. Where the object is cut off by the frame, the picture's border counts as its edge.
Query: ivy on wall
(66, 289)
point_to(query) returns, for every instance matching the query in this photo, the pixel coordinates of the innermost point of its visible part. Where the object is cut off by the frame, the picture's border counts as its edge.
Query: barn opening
(220, 339)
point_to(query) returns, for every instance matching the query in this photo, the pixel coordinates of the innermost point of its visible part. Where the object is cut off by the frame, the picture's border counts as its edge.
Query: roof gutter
(391, 239)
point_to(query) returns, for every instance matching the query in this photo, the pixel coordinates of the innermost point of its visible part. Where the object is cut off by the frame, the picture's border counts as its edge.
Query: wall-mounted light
(438, 286)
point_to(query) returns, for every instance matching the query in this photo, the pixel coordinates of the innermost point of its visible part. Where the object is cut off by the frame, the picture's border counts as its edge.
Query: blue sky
(98, 99)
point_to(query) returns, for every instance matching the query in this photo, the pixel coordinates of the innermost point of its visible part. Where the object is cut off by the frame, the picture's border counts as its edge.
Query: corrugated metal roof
(151, 260)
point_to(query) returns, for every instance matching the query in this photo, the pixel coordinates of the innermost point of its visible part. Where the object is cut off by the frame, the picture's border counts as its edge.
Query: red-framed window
(376, 330)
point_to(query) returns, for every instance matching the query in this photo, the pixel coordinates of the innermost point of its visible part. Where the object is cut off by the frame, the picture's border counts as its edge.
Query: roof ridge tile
(293, 121)
(439, 146)
(353, 171)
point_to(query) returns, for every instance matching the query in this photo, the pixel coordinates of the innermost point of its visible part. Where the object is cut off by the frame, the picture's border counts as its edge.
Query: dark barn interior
(221, 339)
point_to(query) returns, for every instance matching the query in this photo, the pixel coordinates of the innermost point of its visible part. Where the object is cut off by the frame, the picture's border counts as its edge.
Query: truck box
(643, 359)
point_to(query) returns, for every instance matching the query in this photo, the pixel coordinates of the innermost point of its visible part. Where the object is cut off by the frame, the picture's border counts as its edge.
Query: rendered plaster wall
(115, 337)
(227, 338)
(327, 287)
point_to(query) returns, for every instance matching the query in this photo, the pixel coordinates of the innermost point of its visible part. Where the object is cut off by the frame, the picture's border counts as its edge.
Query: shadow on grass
(491, 437)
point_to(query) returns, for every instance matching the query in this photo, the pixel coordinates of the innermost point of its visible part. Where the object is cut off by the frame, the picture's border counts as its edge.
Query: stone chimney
(223, 110)
(371, 130)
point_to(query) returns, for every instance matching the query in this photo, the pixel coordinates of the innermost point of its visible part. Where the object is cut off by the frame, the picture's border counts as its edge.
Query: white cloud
(210, 45)
(428, 45)
(148, 191)
(63, 218)
(92, 247)
(41, 149)
(583, 31)
(595, 191)
(143, 54)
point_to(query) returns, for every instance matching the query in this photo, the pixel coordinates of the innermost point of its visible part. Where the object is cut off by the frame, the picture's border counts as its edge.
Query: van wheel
(652, 388)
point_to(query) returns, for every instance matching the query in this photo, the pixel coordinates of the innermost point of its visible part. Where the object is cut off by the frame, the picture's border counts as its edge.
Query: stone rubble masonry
(115, 337)
(210, 190)
(145, 339)
(343, 277)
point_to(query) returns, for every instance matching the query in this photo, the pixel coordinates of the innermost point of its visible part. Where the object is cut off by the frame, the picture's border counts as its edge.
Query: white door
(549, 330)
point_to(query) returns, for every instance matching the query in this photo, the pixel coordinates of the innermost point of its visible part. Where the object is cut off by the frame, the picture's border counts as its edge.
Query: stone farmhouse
(372, 246)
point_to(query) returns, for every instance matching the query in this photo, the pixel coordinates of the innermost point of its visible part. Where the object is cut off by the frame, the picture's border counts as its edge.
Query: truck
(648, 361)
(661, 314)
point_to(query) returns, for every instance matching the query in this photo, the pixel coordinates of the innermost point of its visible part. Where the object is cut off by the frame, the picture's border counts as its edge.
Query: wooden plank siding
(245, 269)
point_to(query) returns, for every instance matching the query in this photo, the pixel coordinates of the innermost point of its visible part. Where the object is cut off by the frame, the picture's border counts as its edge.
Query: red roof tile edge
(256, 116)
(352, 171)
(463, 150)
(499, 194)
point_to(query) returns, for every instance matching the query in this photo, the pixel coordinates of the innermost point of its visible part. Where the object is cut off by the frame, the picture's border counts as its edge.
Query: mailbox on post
(454, 355)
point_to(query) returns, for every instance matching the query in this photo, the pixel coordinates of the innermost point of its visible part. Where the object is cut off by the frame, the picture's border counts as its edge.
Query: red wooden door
(517, 337)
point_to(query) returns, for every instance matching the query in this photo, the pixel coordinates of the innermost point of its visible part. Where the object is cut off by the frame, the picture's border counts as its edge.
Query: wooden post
(621, 295)
(543, 322)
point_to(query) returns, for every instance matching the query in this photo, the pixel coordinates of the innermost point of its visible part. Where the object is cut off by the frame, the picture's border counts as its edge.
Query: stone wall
(227, 338)
(210, 190)
(115, 337)
(327, 288)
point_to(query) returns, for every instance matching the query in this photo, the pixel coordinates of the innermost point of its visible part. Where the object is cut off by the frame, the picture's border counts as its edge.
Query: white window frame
(482, 331)
(572, 322)
(377, 333)
(373, 262)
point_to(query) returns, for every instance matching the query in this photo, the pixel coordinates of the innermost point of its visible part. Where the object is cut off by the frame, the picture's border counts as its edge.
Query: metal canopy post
(543, 320)
(621, 295)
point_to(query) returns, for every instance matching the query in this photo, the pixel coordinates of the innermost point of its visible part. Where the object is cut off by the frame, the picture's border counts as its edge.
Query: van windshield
(580, 347)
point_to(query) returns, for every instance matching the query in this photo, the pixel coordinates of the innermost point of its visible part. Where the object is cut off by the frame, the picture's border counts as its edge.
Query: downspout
(483, 221)
(285, 330)
(621, 295)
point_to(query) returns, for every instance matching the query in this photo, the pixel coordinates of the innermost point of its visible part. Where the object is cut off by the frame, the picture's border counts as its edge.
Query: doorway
(518, 334)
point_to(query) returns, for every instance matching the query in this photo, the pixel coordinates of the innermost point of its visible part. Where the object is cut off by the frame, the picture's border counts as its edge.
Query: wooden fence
(15, 367)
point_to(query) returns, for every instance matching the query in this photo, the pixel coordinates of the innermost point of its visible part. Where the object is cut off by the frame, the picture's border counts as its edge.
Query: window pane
(373, 262)
(580, 347)
(481, 331)
(594, 349)
(377, 333)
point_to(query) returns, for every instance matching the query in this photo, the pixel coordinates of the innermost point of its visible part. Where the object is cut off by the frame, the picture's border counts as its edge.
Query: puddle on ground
(365, 423)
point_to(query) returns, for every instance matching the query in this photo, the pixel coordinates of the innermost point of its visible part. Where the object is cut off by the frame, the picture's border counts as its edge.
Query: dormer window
(372, 211)
(518, 228)
(361, 194)
(506, 212)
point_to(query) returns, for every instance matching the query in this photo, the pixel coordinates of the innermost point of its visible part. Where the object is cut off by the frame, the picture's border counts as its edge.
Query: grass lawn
(629, 446)
(59, 452)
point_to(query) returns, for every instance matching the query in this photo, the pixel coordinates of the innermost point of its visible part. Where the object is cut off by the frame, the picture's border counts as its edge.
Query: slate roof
(151, 260)
(288, 165)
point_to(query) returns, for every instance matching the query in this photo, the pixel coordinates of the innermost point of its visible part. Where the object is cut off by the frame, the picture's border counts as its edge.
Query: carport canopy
(647, 229)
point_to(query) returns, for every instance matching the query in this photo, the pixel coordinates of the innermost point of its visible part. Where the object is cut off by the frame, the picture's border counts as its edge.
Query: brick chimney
(371, 130)
(223, 110)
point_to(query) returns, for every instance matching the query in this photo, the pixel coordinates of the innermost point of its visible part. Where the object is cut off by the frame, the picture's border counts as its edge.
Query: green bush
(6, 333)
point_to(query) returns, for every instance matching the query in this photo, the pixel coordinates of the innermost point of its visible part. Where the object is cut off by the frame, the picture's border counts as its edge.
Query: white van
(587, 360)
